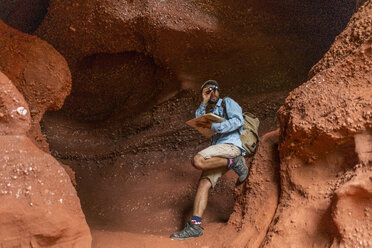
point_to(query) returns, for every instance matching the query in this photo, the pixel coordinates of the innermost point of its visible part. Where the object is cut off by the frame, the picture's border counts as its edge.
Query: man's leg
(199, 162)
(193, 228)
(201, 198)
(214, 161)
(219, 156)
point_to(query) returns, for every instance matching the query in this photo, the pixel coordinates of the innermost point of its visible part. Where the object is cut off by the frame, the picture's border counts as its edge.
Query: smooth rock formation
(38, 71)
(39, 207)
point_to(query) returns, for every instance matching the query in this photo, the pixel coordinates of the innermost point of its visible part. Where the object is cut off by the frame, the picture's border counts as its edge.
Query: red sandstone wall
(251, 47)
(40, 207)
(326, 123)
(38, 71)
(325, 146)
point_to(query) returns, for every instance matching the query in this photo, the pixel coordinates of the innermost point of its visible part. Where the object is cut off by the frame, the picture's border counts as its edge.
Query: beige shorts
(221, 150)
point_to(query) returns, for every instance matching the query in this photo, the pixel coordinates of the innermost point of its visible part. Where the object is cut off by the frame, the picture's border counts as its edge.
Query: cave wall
(24, 15)
(324, 152)
(38, 71)
(120, 53)
(40, 207)
(250, 47)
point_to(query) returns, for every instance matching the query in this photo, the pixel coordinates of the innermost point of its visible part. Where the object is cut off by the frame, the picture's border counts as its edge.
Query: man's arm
(235, 118)
(201, 110)
(206, 96)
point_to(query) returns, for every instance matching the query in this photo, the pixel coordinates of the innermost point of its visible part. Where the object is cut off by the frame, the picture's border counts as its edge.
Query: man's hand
(206, 95)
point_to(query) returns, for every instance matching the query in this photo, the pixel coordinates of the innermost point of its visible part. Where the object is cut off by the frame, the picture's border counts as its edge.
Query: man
(225, 152)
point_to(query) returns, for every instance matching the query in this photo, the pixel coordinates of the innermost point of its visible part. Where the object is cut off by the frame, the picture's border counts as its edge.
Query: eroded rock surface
(14, 111)
(257, 199)
(38, 71)
(318, 151)
(39, 207)
(250, 47)
(358, 33)
(352, 210)
(127, 56)
(24, 15)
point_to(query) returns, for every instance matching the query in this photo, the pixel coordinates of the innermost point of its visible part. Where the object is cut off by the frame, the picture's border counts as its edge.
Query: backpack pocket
(249, 136)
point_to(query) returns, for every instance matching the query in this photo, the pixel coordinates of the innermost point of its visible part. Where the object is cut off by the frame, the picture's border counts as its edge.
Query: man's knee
(205, 184)
(198, 162)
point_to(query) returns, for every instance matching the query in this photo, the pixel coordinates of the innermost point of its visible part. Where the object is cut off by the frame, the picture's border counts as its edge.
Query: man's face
(213, 90)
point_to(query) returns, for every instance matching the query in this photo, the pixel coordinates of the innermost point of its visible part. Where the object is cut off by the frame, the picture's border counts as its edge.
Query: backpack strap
(245, 113)
(225, 112)
(224, 108)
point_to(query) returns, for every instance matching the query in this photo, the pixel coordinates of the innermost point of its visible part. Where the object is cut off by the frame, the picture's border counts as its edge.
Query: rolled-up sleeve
(235, 118)
(201, 110)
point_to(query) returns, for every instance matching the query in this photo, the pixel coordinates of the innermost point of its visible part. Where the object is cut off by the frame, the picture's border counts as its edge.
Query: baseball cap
(208, 82)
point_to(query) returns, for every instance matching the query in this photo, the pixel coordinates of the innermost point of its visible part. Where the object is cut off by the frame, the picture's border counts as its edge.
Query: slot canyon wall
(325, 154)
(335, 130)
(176, 45)
(105, 87)
(40, 207)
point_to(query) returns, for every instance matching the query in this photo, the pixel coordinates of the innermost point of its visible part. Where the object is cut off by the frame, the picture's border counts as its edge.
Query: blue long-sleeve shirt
(227, 132)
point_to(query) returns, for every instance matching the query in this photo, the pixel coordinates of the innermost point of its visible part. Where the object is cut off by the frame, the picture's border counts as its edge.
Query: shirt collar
(219, 102)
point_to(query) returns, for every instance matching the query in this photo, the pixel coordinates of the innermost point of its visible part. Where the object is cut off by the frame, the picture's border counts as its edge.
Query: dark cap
(208, 82)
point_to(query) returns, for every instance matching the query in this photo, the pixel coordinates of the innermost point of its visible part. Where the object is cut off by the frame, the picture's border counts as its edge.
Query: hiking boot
(240, 168)
(191, 230)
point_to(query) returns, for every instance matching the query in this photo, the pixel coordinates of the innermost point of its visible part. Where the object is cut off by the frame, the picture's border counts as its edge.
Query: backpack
(249, 136)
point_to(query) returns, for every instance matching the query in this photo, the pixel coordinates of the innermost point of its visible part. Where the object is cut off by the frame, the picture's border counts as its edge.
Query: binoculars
(215, 87)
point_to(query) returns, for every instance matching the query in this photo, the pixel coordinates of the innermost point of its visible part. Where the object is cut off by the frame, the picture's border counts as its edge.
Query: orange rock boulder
(39, 206)
(325, 143)
(38, 71)
(352, 210)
